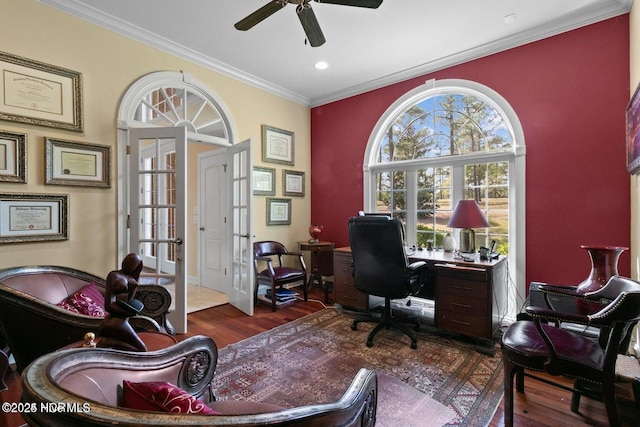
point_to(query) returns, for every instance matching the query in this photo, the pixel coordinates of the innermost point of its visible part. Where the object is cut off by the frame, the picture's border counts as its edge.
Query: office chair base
(387, 321)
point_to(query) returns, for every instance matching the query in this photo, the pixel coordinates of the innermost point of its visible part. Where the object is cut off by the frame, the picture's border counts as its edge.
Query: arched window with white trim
(446, 141)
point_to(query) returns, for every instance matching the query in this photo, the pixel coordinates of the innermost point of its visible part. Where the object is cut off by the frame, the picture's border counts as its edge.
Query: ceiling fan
(305, 13)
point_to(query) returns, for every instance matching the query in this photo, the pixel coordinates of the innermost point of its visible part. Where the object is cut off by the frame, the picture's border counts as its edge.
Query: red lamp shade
(467, 214)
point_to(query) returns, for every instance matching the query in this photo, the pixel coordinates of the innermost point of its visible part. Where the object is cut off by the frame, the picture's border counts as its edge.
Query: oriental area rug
(312, 360)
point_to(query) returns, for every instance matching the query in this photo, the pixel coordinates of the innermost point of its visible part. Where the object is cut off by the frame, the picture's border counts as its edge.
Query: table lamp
(467, 215)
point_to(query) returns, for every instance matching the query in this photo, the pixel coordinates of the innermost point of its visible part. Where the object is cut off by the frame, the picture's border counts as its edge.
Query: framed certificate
(13, 157)
(264, 181)
(75, 163)
(278, 211)
(28, 217)
(292, 183)
(36, 93)
(277, 145)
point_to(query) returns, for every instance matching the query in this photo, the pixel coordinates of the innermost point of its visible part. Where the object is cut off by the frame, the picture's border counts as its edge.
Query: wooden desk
(316, 276)
(470, 297)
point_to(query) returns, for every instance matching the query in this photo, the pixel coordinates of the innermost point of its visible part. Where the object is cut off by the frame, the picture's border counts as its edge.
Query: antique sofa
(86, 387)
(32, 324)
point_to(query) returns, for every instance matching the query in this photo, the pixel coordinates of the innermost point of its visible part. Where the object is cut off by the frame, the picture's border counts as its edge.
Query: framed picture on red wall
(633, 133)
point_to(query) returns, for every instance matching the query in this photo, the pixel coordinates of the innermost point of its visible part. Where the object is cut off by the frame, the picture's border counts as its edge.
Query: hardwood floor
(541, 405)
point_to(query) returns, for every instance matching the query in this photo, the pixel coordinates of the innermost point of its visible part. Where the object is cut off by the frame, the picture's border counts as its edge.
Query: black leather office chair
(381, 268)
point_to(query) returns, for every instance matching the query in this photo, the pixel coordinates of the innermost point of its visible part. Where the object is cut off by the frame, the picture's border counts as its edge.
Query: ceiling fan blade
(259, 15)
(372, 4)
(311, 27)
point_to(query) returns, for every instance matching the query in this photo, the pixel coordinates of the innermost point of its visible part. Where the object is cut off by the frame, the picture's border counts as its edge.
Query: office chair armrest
(557, 316)
(415, 267)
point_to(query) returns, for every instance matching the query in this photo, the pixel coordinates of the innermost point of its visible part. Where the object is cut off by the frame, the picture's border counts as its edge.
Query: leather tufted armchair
(538, 345)
(89, 382)
(33, 325)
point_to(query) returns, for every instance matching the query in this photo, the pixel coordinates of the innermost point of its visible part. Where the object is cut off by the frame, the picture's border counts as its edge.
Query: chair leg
(520, 380)
(510, 370)
(635, 385)
(305, 287)
(609, 397)
(576, 395)
(273, 296)
(4, 367)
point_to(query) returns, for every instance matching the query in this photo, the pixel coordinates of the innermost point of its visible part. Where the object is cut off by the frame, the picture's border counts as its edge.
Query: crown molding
(591, 15)
(119, 26)
(552, 28)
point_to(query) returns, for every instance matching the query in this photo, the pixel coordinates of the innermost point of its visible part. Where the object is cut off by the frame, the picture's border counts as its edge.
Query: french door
(158, 211)
(241, 292)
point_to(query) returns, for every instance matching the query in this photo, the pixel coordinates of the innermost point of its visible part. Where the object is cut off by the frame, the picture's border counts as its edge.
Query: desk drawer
(350, 296)
(468, 290)
(344, 288)
(475, 274)
(465, 321)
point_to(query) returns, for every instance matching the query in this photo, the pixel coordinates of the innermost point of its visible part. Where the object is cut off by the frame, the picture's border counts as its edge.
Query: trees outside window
(444, 142)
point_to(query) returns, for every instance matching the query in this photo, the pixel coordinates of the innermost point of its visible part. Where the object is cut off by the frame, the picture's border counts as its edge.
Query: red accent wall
(570, 93)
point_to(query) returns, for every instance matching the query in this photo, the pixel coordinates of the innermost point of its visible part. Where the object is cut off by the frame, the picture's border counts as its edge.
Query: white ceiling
(365, 48)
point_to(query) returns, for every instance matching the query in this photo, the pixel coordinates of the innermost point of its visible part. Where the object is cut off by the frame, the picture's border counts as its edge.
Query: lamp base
(467, 241)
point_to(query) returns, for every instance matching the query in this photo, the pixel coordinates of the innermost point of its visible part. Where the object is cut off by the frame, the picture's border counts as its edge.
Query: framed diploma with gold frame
(13, 157)
(26, 217)
(36, 93)
(75, 163)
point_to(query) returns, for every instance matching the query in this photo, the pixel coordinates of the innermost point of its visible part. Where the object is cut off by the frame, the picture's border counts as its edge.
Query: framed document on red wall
(633, 133)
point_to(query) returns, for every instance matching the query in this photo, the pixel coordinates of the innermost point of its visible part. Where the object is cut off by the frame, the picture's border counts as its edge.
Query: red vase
(315, 231)
(604, 264)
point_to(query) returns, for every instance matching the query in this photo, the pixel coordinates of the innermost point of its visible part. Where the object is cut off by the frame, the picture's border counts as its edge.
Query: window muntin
(445, 124)
(171, 106)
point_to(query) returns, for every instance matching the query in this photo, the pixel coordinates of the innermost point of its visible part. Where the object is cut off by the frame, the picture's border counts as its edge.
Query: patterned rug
(313, 360)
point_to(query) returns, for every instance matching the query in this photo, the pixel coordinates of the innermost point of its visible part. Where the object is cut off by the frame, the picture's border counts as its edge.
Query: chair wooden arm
(269, 262)
(557, 316)
(300, 257)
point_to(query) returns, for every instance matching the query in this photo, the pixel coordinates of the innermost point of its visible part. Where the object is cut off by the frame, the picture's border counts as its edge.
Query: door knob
(177, 241)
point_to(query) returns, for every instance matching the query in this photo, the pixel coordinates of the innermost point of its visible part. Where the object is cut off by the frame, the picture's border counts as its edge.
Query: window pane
(445, 125)
(391, 194)
(488, 184)
(433, 205)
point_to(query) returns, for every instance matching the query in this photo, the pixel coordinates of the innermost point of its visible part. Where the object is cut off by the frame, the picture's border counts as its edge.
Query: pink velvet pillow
(162, 397)
(88, 300)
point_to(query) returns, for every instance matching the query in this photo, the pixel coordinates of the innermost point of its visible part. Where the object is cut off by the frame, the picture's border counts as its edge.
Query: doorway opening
(176, 100)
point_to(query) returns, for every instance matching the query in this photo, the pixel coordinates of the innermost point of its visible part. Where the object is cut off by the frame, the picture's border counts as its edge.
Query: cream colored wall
(109, 63)
(634, 61)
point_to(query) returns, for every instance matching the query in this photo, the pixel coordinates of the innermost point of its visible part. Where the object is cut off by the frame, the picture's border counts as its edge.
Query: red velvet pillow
(88, 300)
(162, 397)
